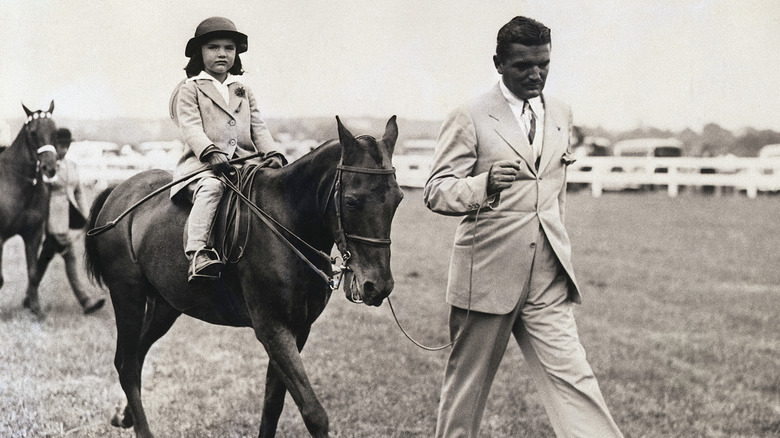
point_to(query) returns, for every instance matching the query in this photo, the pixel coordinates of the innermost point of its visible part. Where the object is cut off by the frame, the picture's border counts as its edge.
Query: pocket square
(567, 158)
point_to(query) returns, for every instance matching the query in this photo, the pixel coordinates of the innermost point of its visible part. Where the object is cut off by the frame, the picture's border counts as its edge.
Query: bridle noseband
(343, 238)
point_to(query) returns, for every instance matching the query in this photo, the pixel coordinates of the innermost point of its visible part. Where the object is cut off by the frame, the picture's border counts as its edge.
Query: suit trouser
(544, 327)
(61, 244)
(206, 196)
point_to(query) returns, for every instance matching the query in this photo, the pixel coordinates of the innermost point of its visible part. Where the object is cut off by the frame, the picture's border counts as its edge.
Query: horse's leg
(35, 273)
(159, 318)
(129, 303)
(2, 244)
(275, 392)
(281, 345)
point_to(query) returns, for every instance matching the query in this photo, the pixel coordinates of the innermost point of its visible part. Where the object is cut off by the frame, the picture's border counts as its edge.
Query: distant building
(418, 146)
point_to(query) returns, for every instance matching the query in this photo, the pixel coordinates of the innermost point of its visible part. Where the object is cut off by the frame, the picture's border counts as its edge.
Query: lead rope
(468, 309)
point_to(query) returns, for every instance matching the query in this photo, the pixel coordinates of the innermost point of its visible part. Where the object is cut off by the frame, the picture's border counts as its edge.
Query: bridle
(42, 149)
(343, 238)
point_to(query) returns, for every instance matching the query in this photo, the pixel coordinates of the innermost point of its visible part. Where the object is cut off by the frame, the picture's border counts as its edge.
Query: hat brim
(195, 42)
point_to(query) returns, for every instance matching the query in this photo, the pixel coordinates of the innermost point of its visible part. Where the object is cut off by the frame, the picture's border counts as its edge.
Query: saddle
(231, 229)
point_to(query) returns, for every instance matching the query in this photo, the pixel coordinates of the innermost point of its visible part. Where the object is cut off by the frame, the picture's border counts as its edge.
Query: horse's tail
(92, 259)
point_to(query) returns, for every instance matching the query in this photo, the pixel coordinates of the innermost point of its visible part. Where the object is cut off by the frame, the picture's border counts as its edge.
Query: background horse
(24, 198)
(344, 192)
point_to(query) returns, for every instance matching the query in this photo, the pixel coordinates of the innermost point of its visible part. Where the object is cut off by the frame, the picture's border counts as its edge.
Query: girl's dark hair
(196, 65)
(522, 30)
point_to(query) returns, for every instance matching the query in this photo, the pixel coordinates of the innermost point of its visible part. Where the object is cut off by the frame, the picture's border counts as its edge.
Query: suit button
(232, 122)
(232, 142)
(533, 245)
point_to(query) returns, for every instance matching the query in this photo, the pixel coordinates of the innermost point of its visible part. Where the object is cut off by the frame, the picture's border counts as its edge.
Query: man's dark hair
(196, 65)
(63, 136)
(521, 30)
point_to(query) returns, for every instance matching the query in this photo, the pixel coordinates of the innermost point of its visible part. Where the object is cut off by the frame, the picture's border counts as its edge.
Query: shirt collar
(203, 75)
(536, 103)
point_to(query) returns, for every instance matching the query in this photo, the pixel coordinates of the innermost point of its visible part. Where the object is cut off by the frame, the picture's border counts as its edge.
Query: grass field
(680, 321)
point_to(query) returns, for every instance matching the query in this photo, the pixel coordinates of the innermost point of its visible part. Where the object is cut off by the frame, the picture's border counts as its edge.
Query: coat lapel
(235, 99)
(553, 129)
(508, 128)
(210, 90)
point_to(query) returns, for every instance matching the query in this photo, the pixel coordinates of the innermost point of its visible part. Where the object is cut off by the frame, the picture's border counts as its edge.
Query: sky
(620, 64)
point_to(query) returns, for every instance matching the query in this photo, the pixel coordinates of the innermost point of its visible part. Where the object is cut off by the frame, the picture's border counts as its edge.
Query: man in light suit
(67, 211)
(501, 162)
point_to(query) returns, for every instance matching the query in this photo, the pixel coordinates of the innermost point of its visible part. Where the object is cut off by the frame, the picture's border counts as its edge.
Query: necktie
(530, 121)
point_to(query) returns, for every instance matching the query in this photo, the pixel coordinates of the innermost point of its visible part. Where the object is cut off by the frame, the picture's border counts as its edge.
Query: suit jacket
(67, 202)
(472, 138)
(204, 118)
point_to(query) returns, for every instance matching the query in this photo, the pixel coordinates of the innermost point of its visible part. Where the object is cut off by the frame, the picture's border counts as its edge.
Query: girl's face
(218, 57)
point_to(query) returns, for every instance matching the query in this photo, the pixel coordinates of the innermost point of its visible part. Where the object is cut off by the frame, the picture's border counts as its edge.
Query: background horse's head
(366, 197)
(38, 135)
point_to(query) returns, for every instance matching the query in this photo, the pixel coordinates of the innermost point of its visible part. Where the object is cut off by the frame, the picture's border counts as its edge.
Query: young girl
(219, 120)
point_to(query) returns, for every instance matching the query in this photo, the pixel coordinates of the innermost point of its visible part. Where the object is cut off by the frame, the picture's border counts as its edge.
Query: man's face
(62, 147)
(524, 69)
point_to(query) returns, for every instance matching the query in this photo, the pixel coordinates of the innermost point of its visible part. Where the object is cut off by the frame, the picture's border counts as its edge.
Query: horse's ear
(345, 137)
(27, 110)
(391, 134)
(51, 107)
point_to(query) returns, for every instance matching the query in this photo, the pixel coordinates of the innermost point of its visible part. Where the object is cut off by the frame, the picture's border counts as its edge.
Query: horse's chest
(22, 208)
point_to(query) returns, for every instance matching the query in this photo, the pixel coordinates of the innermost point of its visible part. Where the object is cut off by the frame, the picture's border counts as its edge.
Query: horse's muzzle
(368, 293)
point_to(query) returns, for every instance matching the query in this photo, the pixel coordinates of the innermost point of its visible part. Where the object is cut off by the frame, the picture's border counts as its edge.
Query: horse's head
(40, 132)
(366, 197)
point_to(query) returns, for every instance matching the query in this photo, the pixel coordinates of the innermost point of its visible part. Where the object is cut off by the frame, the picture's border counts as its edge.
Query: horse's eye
(352, 203)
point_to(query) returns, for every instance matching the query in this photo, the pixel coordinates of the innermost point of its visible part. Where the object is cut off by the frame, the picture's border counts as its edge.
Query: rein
(342, 238)
(103, 228)
(277, 227)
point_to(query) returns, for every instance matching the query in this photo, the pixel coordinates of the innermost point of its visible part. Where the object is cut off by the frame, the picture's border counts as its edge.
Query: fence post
(751, 188)
(673, 188)
(596, 184)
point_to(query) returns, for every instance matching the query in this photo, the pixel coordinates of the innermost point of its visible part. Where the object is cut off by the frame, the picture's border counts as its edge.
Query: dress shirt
(537, 105)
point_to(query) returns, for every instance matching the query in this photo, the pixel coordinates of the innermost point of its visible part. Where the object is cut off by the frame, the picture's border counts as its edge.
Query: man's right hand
(219, 162)
(501, 175)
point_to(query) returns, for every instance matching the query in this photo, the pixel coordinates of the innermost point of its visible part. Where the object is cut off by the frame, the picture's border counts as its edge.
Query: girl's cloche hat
(213, 28)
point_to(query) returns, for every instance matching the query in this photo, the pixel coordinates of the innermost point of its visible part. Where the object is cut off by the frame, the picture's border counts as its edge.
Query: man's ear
(497, 64)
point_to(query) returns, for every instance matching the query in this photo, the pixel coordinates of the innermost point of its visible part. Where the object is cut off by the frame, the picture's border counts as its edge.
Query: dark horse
(24, 198)
(344, 192)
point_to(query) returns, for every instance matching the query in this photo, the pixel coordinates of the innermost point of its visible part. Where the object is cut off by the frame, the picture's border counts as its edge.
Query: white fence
(751, 175)
(599, 174)
(109, 170)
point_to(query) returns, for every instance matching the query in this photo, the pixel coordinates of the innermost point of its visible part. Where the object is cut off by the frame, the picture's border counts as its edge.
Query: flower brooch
(568, 158)
(240, 92)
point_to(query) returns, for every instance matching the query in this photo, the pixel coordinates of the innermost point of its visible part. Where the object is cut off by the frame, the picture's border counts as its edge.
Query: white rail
(751, 175)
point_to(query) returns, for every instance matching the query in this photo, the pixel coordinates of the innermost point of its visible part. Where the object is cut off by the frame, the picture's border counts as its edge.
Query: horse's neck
(315, 172)
(18, 153)
(306, 185)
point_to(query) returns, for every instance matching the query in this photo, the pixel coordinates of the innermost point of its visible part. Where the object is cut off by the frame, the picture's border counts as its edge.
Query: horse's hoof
(119, 420)
(36, 310)
(94, 307)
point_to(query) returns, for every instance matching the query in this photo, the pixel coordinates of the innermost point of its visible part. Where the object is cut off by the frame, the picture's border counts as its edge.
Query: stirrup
(205, 264)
